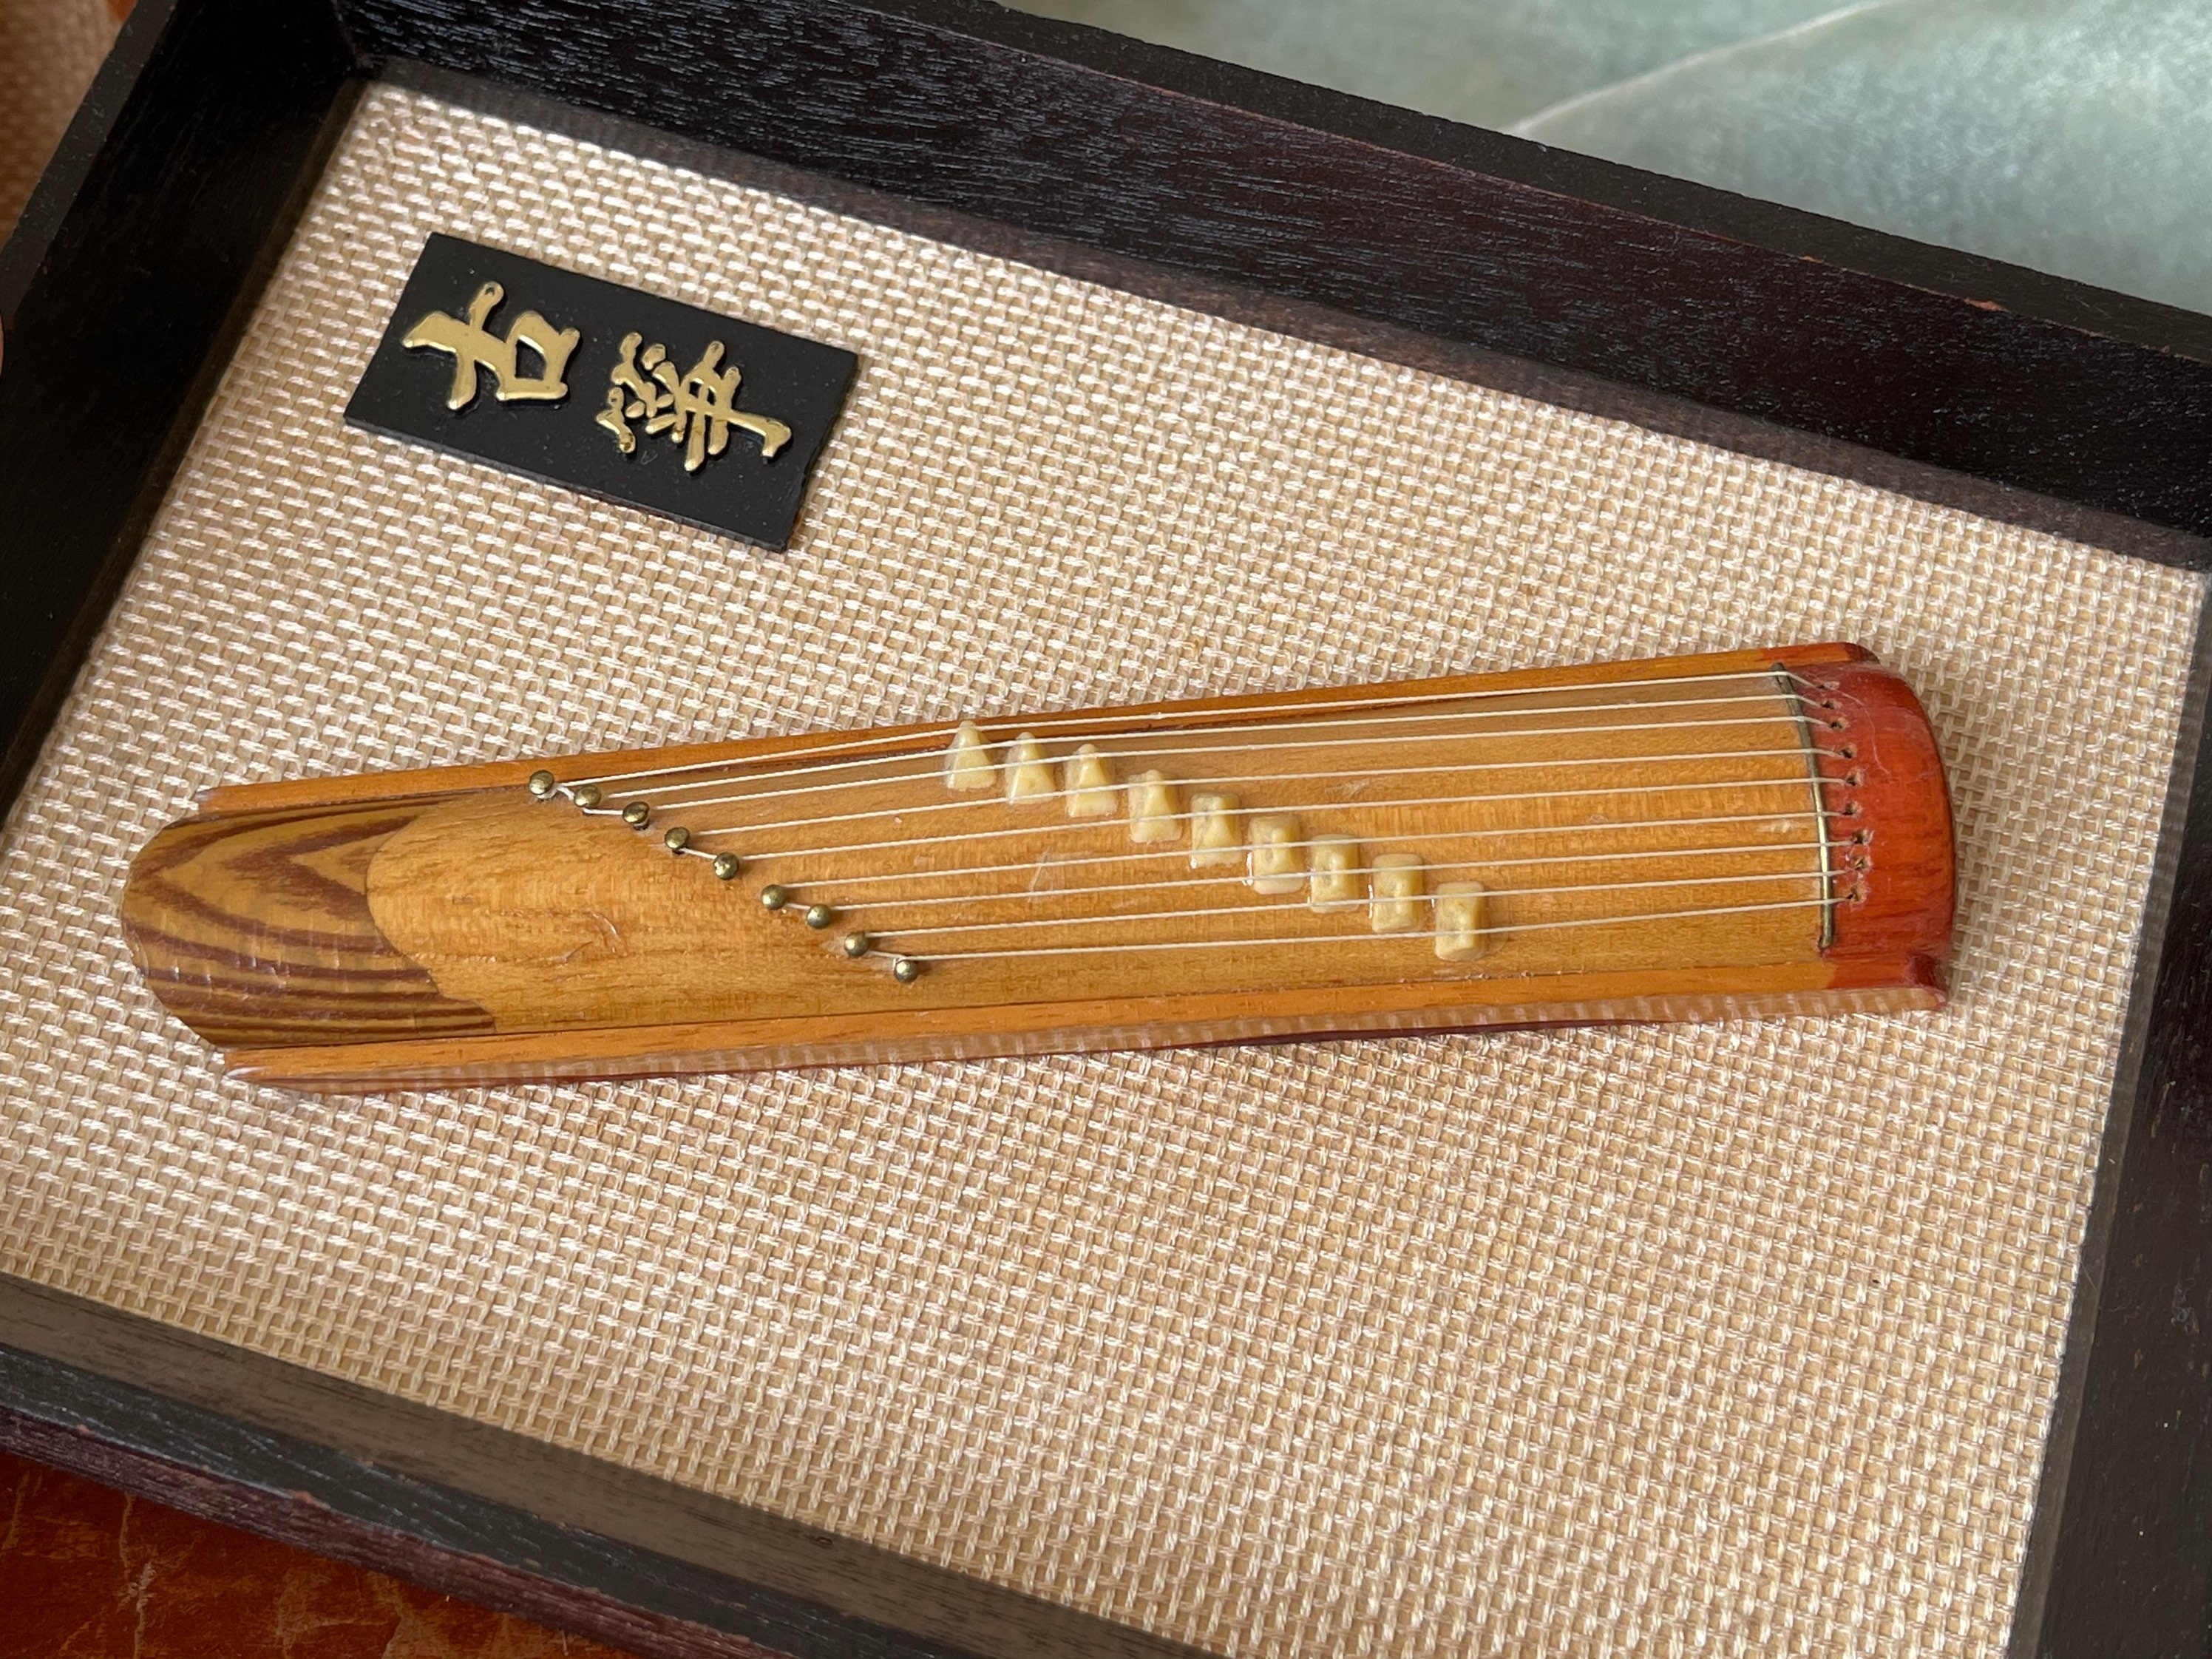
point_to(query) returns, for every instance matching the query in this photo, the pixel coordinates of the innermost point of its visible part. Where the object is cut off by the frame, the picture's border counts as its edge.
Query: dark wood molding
(191, 159)
(24, 249)
(499, 1517)
(2118, 1558)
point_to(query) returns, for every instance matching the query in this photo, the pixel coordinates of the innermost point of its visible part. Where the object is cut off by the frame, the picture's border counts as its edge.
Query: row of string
(1396, 723)
(1078, 826)
(907, 939)
(1048, 797)
(1379, 710)
(1041, 895)
(1826, 902)
(936, 773)
(1029, 923)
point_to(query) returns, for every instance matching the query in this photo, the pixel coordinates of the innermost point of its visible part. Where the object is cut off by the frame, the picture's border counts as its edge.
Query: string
(935, 770)
(1798, 781)
(1347, 939)
(1346, 905)
(1042, 893)
(1386, 711)
(1063, 724)
(845, 883)
(1794, 752)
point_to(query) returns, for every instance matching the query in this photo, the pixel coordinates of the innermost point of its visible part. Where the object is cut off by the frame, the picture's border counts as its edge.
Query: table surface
(86, 1572)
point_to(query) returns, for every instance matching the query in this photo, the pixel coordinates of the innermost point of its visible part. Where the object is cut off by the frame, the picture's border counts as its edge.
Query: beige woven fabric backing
(49, 51)
(1724, 1338)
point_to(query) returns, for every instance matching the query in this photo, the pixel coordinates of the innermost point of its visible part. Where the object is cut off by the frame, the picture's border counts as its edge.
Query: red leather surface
(88, 1573)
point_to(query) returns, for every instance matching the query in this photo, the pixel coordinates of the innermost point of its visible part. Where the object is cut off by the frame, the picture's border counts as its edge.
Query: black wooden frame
(1938, 373)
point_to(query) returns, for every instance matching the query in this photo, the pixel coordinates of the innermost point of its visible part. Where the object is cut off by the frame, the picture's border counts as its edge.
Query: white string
(1339, 907)
(1347, 939)
(1042, 893)
(1796, 751)
(843, 883)
(1798, 781)
(935, 770)
(1065, 723)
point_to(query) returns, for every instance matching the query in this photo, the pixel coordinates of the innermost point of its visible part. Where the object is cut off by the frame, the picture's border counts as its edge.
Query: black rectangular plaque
(627, 396)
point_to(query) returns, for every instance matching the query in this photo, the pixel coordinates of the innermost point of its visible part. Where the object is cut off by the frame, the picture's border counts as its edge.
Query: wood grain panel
(257, 929)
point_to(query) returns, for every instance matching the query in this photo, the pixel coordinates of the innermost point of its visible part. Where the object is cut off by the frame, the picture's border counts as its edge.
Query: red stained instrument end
(1889, 812)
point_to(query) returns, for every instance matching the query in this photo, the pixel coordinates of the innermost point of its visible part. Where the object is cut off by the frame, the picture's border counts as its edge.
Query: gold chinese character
(696, 409)
(474, 347)
(643, 399)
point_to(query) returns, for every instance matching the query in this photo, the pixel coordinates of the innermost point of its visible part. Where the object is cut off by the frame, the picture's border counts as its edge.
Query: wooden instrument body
(1699, 837)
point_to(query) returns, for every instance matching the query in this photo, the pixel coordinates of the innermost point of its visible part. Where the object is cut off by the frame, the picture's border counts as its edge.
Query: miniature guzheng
(1758, 833)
